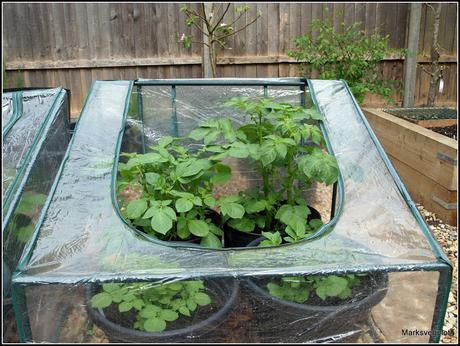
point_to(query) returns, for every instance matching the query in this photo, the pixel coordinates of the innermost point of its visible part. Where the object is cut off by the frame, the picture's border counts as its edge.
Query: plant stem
(290, 177)
(264, 170)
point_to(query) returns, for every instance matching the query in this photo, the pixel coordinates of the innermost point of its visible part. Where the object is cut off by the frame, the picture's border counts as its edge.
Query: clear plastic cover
(82, 241)
(34, 144)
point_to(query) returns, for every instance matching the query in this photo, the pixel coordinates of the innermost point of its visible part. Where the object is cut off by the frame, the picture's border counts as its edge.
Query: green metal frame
(17, 112)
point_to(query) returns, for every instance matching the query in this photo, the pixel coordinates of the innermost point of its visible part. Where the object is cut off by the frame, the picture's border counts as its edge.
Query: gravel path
(446, 236)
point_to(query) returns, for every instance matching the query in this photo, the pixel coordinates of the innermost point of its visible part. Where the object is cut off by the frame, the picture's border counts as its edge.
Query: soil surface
(449, 131)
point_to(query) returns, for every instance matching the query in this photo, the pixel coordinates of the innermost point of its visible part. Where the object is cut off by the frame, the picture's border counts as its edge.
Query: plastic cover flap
(20, 140)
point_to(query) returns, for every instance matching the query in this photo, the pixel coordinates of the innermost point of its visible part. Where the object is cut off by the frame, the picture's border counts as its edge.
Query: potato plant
(176, 198)
(155, 304)
(299, 289)
(284, 143)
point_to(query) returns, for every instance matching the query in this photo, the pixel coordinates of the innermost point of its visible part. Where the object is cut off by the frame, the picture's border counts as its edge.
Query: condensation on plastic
(82, 238)
(33, 148)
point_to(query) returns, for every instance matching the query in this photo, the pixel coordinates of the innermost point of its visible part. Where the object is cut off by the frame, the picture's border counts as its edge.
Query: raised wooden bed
(425, 160)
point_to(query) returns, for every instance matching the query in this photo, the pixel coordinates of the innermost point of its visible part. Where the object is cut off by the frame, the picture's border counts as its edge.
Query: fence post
(410, 63)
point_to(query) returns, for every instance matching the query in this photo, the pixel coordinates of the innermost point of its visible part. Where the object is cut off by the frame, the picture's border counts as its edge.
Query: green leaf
(321, 292)
(281, 149)
(260, 221)
(101, 300)
(209, 201)
(197, 201)
(161, 222)
(191, 167)
(211, 136)
(268, 154)
(316, 224)
(275, 290)
(202, 299)
(23, 234)
(273, 237)
(216, 230)
(151, 178)
(150, 311)
(169, 212)
(168, 315)
(346, 293)
(184, 311)
(199, 133)
(136, 208)
(182, 229)
(234, 210)
(183, 205)
(211, 241)
(124, 306)
(164, 141)
(150, 212)
(255, 206)
(238, 150)
(191, 305)
(224, 174)
(138, 303)
(154, 325)
(111, 287)
(243, 224)
(320, 166)
(198, 227)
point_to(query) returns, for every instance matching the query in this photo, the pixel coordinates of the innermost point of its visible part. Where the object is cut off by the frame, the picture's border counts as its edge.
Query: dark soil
(449, 131)
(10, 332)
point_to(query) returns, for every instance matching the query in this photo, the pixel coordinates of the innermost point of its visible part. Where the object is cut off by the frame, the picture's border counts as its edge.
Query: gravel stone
(446, 235)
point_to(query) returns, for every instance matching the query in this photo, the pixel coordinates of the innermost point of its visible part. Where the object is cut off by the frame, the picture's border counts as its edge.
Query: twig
(221, 18)
(196, 13)
(426, 71)
(234, 32)
(198, 27)
(241, 14)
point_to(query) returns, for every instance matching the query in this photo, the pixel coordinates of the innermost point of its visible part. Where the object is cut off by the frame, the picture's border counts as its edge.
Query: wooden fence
(71, 44)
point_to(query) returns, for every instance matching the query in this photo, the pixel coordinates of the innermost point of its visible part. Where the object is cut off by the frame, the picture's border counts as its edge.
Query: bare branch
(199, 28)
(218, 8)
(241, 14)
(430, 6)
(195, 14)
(425, 70)
(221, 18)
(206, 21)
(235, 32)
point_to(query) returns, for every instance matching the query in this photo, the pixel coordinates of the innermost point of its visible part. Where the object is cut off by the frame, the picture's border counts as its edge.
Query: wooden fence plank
(105, 39)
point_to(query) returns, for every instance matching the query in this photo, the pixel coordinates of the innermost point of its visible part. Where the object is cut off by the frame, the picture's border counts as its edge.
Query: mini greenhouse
(35, 138)
(88, 266)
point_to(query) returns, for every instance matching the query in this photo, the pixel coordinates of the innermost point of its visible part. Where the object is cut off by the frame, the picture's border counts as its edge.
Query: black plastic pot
(279, 320)
(235, 238)
(224, 293)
